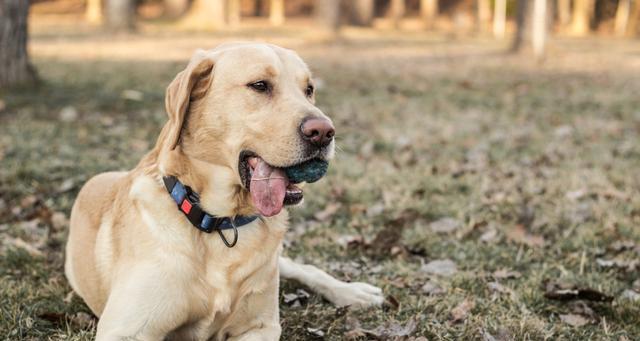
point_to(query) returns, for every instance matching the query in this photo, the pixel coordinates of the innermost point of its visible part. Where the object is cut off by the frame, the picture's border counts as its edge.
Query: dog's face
(250, 107)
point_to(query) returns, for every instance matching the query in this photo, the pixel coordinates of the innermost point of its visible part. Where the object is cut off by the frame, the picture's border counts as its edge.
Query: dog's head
(250, 107)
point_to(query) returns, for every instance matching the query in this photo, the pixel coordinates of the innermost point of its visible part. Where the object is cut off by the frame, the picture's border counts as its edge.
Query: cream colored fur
(143, 268)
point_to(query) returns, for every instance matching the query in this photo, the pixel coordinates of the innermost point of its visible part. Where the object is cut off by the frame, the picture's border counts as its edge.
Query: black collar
(189, 203)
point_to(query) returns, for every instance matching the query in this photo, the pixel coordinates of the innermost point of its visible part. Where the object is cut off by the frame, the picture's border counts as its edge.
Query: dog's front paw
(355, 294)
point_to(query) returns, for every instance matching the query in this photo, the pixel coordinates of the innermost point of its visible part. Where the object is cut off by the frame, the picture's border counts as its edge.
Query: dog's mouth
(274, 187)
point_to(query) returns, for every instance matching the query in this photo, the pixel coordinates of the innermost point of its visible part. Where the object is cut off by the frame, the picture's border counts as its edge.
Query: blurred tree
(622, 17)
(15, 68)
(564, 12)
(120, 14)
(532, 26)
(397, 12)
(634, 19)
(276, 12)
(206, 14)
(327, 14)
(483, 8)
(429, 12)
(362, 12)
(93, 12)
(233, 12)
(173, 8)
(499, 18)
(582, 12)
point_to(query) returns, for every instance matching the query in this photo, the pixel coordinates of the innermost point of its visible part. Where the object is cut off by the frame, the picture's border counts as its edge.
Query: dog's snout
(318, 131)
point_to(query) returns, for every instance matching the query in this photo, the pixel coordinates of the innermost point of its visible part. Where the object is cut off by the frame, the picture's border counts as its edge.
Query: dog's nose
(318, 131)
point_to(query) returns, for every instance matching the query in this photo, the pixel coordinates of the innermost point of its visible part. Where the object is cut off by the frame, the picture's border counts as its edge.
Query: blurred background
(486, 168)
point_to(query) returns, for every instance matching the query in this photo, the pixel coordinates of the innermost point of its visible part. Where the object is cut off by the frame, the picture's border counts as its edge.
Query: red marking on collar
(186, 206)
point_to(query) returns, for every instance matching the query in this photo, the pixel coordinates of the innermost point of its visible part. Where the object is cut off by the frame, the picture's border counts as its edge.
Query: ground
(471, 185)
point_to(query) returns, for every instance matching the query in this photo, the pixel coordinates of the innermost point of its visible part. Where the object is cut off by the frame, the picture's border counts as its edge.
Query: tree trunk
(276, 12)
(532, 27)
(233, 12)
(622, 17)
(397, 12)
(634, 19)
(173, 8)
(93, 12)
(539, 27)
(429, 13)
(206, 15)
(362, 12)
(120, 14)
(327, 14)
(484, 14)
(564, 12)
(582, 12)
(522, 20)
(15, 68)
(499, 18)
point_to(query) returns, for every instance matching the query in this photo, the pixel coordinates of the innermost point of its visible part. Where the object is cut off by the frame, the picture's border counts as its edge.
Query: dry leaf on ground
(519, 235)
(329, 211)
(462, 310)
(574, 320)
(445, 225)
(563, 292)
(440, 267)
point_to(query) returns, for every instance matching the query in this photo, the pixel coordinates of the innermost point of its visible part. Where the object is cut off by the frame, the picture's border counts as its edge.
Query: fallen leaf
(622, 245)
(83, 320)
(316, 332)
(375, 210)
(59, 221)
(295, 299)
(68, 114)
(519, 235)
(562, 292)
(627, 265)
(574, 320)
(440, 267)
(21, 244)
(349, 241)
(66, 185)
(392, 330)
(462, 310)
(489, 235)
(52, 316)
(505, 274)
(445, 225)
(631, 295)
(329, 211)
(432, 288)
(392, 302)
(69, 297)
(497, 287)
(133, 95)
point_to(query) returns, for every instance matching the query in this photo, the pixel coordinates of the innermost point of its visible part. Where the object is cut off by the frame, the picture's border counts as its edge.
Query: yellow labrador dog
(186, 246)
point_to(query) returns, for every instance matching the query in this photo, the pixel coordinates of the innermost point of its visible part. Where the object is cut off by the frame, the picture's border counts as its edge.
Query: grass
(537, 165)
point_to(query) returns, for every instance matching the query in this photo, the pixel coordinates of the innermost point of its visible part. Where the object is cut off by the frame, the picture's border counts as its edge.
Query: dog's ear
(189, 85)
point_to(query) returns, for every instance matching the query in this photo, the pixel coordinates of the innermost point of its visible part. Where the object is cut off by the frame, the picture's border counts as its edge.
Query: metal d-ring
(235, 234)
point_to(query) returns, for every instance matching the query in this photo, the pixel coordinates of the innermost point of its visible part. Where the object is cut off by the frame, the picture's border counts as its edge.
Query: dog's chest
(230, 290)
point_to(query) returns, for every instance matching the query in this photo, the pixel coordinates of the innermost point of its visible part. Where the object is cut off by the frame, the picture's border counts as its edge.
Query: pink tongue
(268, 187)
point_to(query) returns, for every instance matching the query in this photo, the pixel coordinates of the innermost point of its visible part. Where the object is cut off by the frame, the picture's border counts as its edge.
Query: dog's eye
(309, 90)
(259, 86)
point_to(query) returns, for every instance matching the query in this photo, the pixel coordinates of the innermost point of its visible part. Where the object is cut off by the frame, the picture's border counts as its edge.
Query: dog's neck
(217, 185)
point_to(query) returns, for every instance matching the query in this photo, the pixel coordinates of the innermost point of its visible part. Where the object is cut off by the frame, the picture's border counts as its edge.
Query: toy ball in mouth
(308, 171)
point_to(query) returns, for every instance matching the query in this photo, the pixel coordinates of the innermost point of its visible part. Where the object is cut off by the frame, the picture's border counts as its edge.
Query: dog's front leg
(339, 293)
(145, 304)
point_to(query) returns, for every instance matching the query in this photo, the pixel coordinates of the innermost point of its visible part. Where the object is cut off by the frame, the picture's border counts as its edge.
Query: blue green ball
(308, 171)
